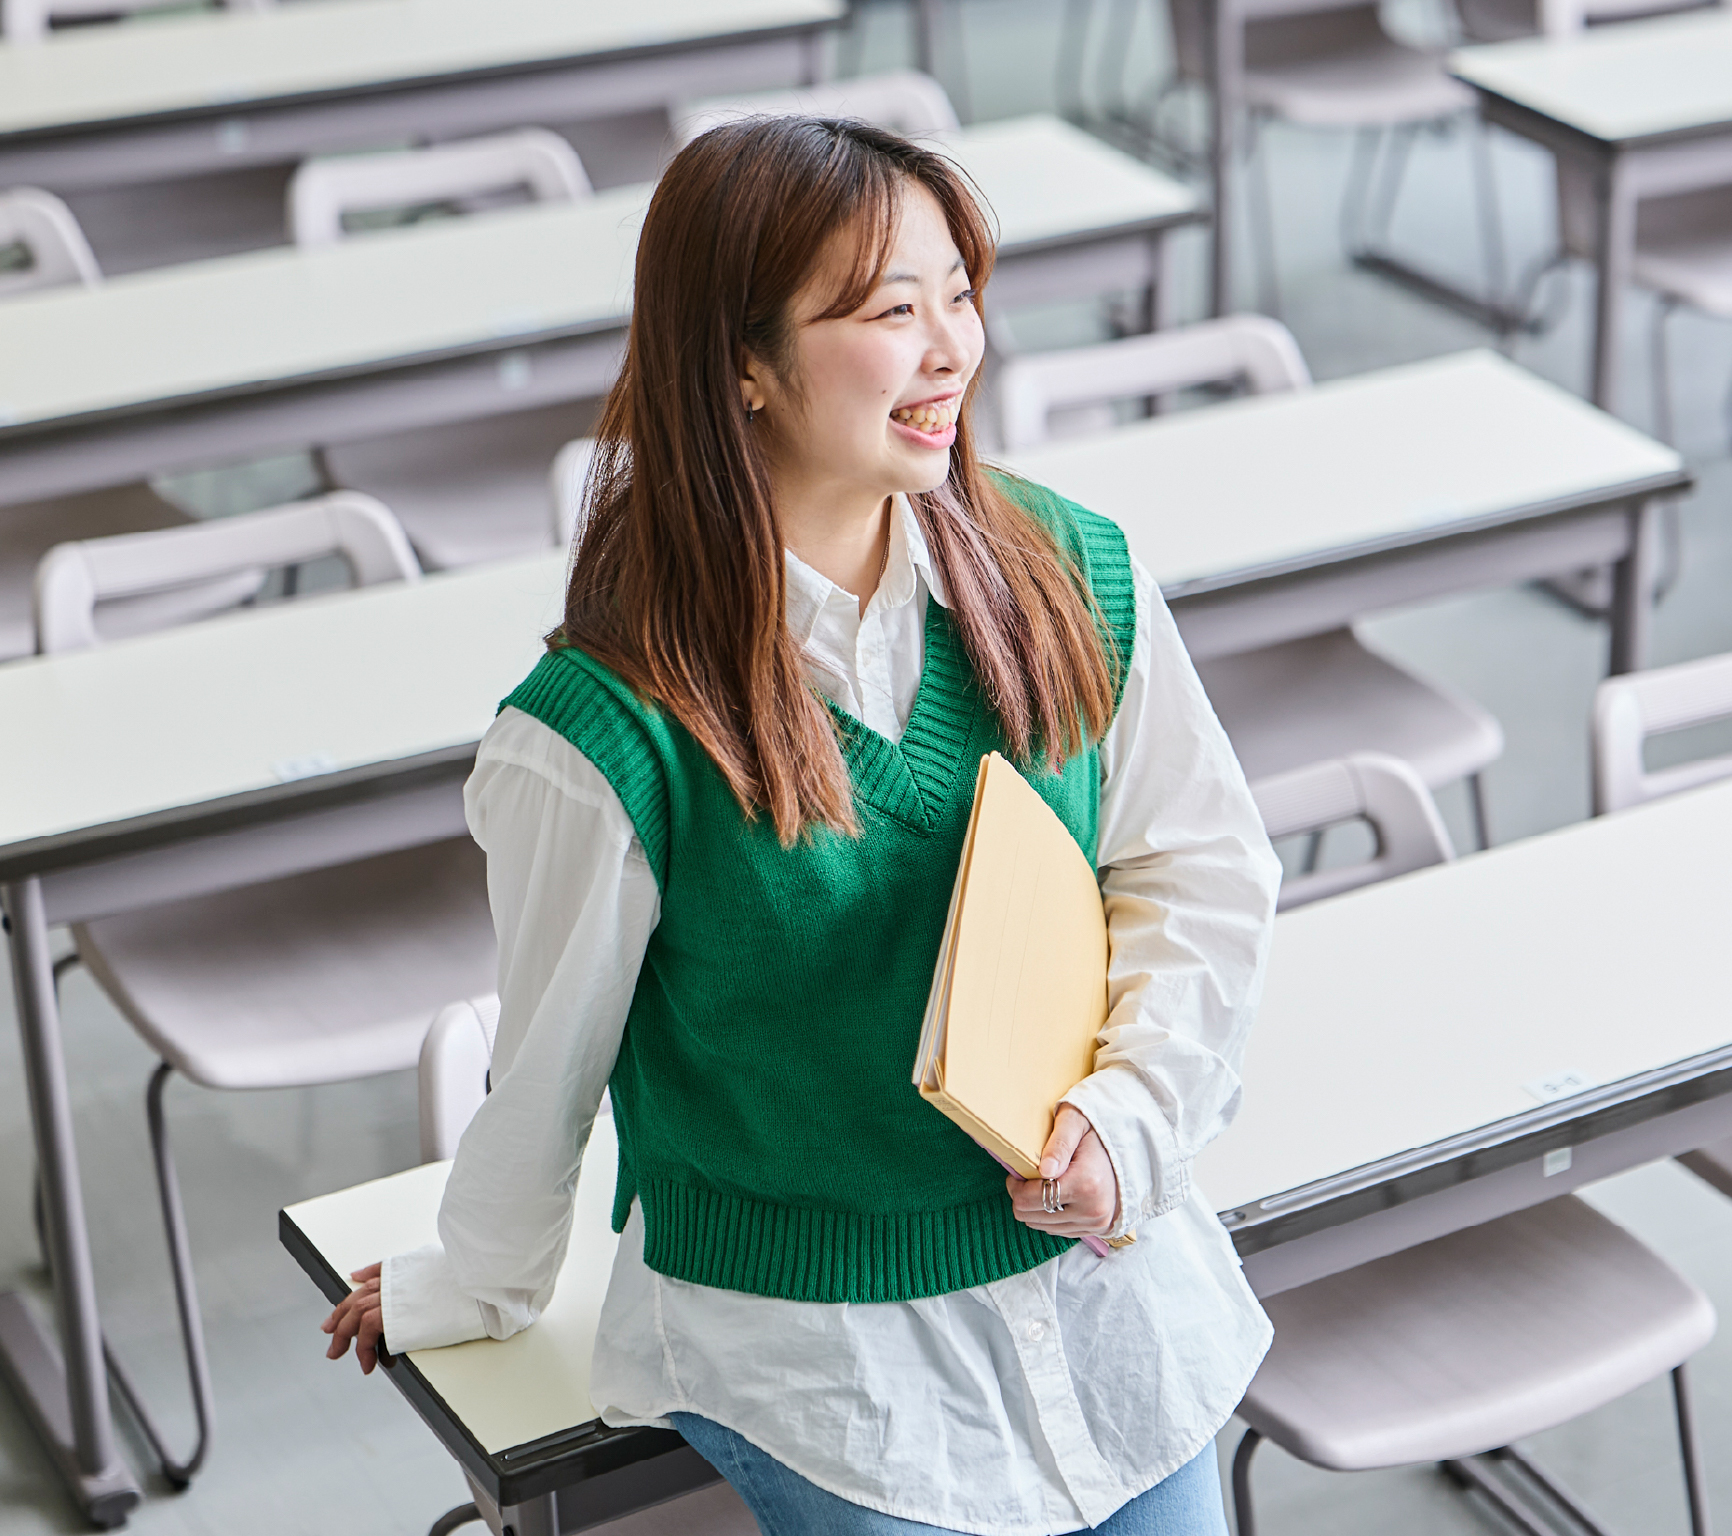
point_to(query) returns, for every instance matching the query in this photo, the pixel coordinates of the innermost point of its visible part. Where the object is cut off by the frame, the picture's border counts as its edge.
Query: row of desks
(180, 95)
(1431, 1014)
(1645, 108)
(1261, 519)
(216, 360)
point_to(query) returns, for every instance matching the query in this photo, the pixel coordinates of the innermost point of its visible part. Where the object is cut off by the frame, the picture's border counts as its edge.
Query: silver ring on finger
(1051, 1197)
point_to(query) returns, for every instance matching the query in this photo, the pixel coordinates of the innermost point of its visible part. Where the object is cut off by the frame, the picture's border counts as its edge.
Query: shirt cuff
(1152, 1176)
(422, 1306)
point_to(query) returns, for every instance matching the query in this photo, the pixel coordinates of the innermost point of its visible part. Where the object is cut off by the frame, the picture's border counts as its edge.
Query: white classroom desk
(256, 744)
(1644, 108)
(217, 360)
(1273, 517)
(1478, 1037)
(1384, 1106)
(176, 96)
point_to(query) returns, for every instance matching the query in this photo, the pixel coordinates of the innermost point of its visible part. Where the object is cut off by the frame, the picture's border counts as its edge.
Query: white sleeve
(574, 904)
(1189, 882)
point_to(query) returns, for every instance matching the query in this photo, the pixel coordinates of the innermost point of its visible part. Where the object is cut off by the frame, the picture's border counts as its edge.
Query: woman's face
(876, 393)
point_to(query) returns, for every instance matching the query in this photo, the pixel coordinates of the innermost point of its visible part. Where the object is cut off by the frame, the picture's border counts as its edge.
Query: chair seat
(1713, 1164)
(1472, 1341)
(1341, 70)
(316, 978)
(1684, 249)
(1330, 696)
(30, 529)
(469, 492)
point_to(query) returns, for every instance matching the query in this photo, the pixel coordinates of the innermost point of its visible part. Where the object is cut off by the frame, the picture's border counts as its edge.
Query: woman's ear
(753, 394)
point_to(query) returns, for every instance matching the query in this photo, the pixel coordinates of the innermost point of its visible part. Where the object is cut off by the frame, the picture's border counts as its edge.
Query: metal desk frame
(287, 828)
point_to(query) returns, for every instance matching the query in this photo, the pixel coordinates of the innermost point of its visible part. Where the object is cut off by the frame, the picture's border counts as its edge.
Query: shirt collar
(909, 562)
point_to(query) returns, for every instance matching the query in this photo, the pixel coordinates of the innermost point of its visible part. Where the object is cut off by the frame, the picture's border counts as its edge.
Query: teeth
(933, 418)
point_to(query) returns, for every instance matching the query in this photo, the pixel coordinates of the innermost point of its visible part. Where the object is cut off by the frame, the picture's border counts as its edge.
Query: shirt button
(1036, 1331)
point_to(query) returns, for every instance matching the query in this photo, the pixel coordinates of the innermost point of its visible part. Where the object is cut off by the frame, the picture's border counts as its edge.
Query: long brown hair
(678, 578)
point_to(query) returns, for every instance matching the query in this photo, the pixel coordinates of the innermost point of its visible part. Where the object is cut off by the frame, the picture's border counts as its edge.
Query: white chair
(28, 21)
(904, 101)
(1628, 711)
(570, 470)
(1332, 65)
(468, 491)
(1320, 697)
(59, 256)
(1380, 790)
(313, 977)
(451, 1073)
(1452, 1350)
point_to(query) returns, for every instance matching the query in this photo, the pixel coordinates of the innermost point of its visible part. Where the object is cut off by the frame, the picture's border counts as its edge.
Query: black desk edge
(1522, 1138)
(523, 1472)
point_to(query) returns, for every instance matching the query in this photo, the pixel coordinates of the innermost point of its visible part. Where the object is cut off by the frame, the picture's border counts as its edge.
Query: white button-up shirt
(1039, 1403)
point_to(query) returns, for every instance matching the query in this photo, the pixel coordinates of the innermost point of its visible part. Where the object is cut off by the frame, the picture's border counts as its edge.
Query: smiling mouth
(933, 418)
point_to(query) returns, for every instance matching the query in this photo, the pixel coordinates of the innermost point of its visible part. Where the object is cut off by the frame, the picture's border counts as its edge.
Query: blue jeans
(1186, 1504)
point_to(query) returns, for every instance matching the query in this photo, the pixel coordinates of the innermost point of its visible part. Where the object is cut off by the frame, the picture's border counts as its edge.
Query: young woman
(722, 819)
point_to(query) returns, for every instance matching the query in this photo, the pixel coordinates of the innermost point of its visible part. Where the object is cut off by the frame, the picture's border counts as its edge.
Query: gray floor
(303, 1446)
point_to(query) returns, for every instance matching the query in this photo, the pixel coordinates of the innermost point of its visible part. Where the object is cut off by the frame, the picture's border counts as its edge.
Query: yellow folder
(1019, 994)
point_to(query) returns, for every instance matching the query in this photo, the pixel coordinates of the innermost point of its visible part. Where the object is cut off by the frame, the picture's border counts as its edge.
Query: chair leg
(1357, 194)
(1695, 1490)
(1665, 428)
(1382, 210)
(1244, 1519)
(1490, 211)
(1481, 823)
(1263, 222)
(180, 1473)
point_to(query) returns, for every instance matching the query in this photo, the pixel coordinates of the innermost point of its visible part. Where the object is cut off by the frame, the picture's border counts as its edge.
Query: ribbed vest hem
(798, 1254)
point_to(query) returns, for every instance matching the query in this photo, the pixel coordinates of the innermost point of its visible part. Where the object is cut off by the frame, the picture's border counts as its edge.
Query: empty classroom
(628, 636)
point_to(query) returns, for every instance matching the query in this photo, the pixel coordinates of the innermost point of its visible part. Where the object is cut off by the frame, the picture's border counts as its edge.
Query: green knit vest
(766, 1118)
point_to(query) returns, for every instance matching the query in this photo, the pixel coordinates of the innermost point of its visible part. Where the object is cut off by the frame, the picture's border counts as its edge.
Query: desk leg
(67, 1403)
(1226, 67)
(1632, 610)
(1614, 247)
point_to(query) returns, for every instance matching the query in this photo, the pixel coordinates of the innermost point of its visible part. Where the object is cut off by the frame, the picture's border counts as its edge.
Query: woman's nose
(956, 343)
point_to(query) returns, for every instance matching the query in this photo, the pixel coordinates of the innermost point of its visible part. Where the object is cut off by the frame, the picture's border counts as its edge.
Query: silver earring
(751, 414)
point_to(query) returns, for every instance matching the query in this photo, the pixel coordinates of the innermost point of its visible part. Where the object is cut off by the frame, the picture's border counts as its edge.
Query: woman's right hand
(359, 1316)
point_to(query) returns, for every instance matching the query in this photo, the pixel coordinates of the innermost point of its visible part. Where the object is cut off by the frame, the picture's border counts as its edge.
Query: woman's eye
(898, 309)
(965, 297)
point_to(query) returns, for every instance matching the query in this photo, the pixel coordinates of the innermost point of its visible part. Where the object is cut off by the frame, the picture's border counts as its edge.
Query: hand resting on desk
(360, 1316)
(1075, 1157)
(1073, 1154)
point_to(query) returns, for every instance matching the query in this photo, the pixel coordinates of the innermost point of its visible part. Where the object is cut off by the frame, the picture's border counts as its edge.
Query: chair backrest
(73, 580)
(452, 1074)
(1630, 709)
(1252, 348)
(906, 102)
(570, 469)
(1369, 786)
(322, 191)
(1275, 31)
(44, 226)
(27, 21)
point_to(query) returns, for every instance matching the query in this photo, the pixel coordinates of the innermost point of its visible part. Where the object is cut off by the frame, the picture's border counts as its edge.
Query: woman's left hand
(1075, 1157)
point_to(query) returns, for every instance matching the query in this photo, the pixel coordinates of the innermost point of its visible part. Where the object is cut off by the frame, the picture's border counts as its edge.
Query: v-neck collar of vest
(911, 780)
